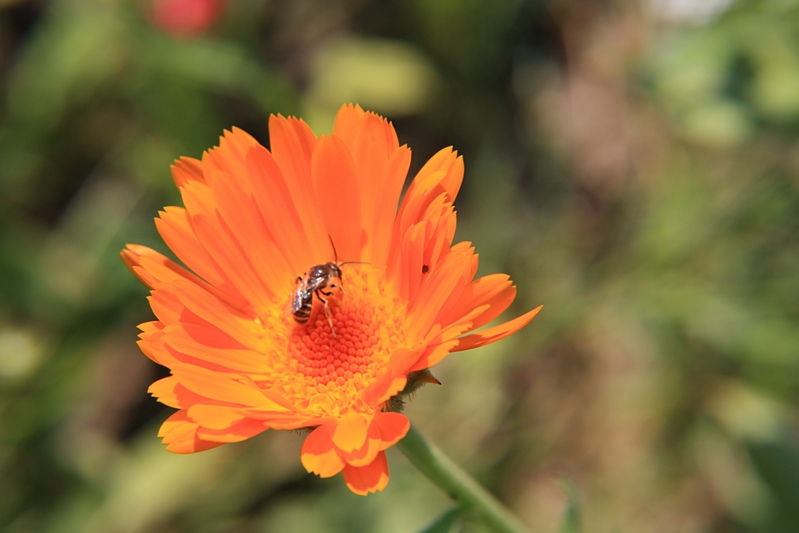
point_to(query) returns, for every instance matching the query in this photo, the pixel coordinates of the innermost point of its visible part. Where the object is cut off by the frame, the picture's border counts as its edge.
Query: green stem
(458, 484)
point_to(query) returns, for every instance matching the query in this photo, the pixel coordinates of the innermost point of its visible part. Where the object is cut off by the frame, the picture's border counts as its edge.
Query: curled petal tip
(490, 335)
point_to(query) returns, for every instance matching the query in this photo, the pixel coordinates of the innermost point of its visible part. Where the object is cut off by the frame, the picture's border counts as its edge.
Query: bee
(315, 281)
(319, 280)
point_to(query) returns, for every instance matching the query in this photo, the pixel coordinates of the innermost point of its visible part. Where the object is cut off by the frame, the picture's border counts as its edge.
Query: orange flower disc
(257, 220)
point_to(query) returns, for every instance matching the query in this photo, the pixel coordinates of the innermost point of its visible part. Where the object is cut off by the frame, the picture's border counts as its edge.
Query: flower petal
(336, 186)
(496, 333)
(350, 432)
(217, 386)
(367, 453)
(214, 346)
(240, 212)
(495, 291)
(393, 427)
(302, 237)
(293, 144)
(370, 478)
(213, 311)
(175, 228)
(386, 205)
(438, 287)
(228, 157)
(381, 167)
(447, 161)
(393, 380)
(170, 392)
(179, 433)
(214, 416)
(152, 267)
(237, 432)
(151, 343)
(319, 455)
(384, 388)
(187, 169)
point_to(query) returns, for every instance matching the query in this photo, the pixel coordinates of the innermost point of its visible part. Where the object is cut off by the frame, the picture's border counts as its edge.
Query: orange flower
(257, 220)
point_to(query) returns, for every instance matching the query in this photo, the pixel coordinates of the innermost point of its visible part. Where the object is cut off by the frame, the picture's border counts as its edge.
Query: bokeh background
(633, 164)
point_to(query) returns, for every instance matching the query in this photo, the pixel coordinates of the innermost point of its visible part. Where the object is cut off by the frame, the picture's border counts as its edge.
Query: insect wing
(296, 299)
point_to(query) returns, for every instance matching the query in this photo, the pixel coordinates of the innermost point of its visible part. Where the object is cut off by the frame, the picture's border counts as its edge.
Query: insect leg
(327, 310)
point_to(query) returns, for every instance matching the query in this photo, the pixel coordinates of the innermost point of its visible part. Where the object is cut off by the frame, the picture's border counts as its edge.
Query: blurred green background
(633, 164)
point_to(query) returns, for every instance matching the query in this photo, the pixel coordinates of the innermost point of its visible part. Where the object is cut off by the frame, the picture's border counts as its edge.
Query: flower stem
(458, 484)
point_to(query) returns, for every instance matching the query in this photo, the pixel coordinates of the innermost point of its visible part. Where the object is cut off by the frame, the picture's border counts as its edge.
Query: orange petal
(443, 173)
(413, 249)
(187, 169)
(170, 392)
(159, 268)
(393, 427)
(213, 311)
(151, 343)
(175, 228)
(336, 185)
(153, 268)
(392, 381)
(213, 346)
(401, 360)
(302, 237)
(370, 478)
(238, 209)
(496, 333)
(386, 205)
(237, 432)
(215, 237)
(441, 341)
(434, 354)
(293, 143)
(319, 455)
(372, 141)
(179, 433)
(383, 389)
(495, 290)
(348, 120)
(350, 432)
(367, 453)
(229, 156)
(438, 288)
(238, 142)
(214, 416)
(274, 420)
(217, 386)
(166, 305)
(447, 161)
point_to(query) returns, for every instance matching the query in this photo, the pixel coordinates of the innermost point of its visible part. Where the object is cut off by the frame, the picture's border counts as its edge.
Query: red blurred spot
(185, 18)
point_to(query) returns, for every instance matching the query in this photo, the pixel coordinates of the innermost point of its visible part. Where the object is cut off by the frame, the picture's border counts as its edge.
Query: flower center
(326, 373)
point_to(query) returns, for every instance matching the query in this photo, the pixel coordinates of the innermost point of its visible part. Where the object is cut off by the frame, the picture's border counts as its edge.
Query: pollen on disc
(369, 323)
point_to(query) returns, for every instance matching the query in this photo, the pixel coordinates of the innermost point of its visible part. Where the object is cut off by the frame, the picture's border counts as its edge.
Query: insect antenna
(335, 255)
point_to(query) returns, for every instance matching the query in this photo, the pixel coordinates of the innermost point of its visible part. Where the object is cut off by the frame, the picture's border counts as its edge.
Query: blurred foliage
(633, 165)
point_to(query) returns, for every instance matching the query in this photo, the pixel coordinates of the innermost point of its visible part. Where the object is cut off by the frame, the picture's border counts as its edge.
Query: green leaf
(443, 524)
(571, 518)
